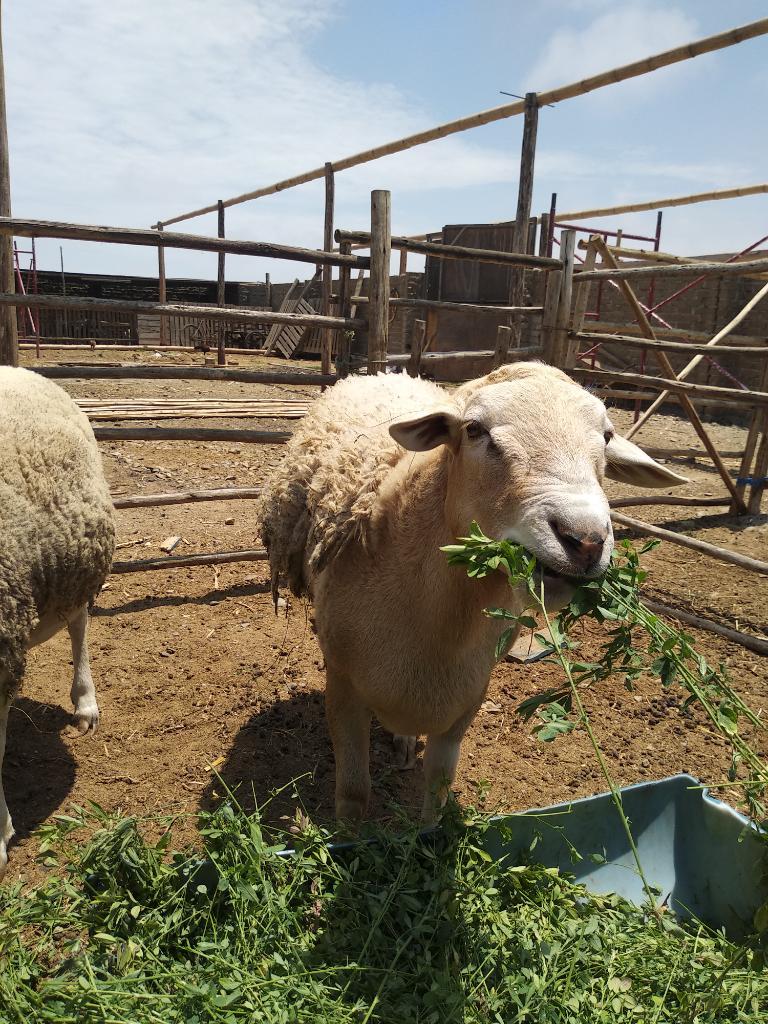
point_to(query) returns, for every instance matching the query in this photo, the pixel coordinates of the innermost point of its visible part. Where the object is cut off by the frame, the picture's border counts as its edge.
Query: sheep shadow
(152, 601)
(281, 760)
(38, 769)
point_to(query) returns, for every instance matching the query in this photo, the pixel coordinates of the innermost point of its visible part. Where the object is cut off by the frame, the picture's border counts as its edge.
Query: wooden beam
(328, 334)
(148, 371)
(666, 367)
(457, 252)
(668, 346)
(723, 554)
(190, 434)
(9, 337)
(512, 339)
(667, 499)
(499, 113)
(563, 315)
(662, 204)
(733, 396)
(182, 561)
(417, 347)
(221, 287)
(689, 367)
(236, 314)
(172, 240)
(378, 307)
(746, 268)
(581, 298)
(549, 315)
(459, 307)
(736, 636)
(604, 327)
(186, 497)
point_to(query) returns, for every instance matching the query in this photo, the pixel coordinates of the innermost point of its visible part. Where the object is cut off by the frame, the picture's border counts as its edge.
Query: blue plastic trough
(702, 856)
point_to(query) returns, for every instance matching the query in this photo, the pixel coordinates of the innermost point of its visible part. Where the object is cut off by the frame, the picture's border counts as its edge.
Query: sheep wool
(56, 519)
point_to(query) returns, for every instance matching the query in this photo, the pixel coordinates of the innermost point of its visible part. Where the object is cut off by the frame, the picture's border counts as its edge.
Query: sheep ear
(422, 433)
(630, 464)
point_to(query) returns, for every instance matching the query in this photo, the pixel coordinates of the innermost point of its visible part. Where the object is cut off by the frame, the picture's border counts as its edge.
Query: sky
(130, 112)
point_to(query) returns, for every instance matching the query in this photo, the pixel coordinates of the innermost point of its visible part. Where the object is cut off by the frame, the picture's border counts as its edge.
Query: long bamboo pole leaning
(663, 204)
(378, 306)
(666, 367)
(500, 113)
(689, 367)
(173, 240)
(9, 338)
(722, 554)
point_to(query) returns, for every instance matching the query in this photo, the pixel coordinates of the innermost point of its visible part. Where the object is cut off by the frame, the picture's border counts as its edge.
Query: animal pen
(356, 326)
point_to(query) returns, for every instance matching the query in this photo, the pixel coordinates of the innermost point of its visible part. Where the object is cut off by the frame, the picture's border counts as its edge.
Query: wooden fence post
(549, 314)
(326, 349)
(343, 344)
(221, 289)
(581, 298)
(9, 331)
(378, 306)
(417, 347)
(560, 332)
(502, 345)
(161, 289)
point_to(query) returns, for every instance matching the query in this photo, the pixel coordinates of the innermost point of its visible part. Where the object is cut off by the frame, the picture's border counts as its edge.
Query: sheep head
(527, 451)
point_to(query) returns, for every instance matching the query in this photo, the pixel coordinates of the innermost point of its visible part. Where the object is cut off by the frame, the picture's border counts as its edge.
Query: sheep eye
(475, 430)
(607, 436)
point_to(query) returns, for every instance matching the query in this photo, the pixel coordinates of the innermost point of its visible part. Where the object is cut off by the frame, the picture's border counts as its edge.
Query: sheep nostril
(586, 547)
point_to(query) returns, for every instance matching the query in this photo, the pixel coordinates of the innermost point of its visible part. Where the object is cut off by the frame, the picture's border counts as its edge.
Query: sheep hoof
(5, 838)
(87, 719)
(405, 752)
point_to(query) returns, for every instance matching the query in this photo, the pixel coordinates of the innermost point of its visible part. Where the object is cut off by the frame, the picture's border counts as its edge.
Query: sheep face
(528, 451)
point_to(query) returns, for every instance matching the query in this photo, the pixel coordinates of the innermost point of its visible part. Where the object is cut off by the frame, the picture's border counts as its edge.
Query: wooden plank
(138, 371)
(563, 315)
(172, 240)
(274, 331)
(190, 434)
(457, 252)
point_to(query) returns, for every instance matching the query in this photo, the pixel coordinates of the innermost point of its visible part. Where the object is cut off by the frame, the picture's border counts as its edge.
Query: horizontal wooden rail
(663, 333)
(175, 240)
(228, 313)
(456, 307)
(663, 204)
(749, 398)
(669, 346)
(499, 113)
(147, 371)
(673, 270)
(722, 554)
(458, 252)
(186, 497)
(402, 359)
(190, 434)
(181, 561)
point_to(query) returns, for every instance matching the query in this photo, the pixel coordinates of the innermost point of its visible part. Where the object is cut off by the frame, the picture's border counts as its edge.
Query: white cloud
(624, 33)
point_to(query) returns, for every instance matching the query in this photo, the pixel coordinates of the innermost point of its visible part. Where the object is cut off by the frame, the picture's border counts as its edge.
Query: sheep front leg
(6, 825)
(83, 692)
(440, 760)
(349, 723)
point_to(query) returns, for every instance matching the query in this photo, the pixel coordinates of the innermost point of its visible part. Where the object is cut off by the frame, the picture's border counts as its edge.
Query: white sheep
(56, 543)
(381, 473)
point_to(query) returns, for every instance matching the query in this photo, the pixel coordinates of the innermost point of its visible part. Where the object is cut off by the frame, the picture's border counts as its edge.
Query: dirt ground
(193, 669)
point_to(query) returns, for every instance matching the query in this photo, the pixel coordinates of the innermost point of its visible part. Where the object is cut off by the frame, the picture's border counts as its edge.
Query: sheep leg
(349, 723)
(6, 825)
(440, 760)
(83, 692)
(405, 752)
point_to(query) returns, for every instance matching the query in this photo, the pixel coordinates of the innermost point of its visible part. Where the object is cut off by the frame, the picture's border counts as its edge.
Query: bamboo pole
(666, 367)
(181, 561)
(604, 327)
(173, 240)
(668, 346)
(722, 554)
(745, 269)
(9, 337)
(327, 343)
(653, 255)
(190, 434)
(499, 113)
(732, 396)
(689, 367)
(378, 306)
(229, 313)
(512, 338)
(662, 204)
(186, 497)
(221, 287)
(148, 371)
(440, 250)
(752, 643)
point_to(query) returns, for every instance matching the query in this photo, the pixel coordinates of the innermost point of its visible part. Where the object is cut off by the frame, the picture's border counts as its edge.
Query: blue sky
(126, 113)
